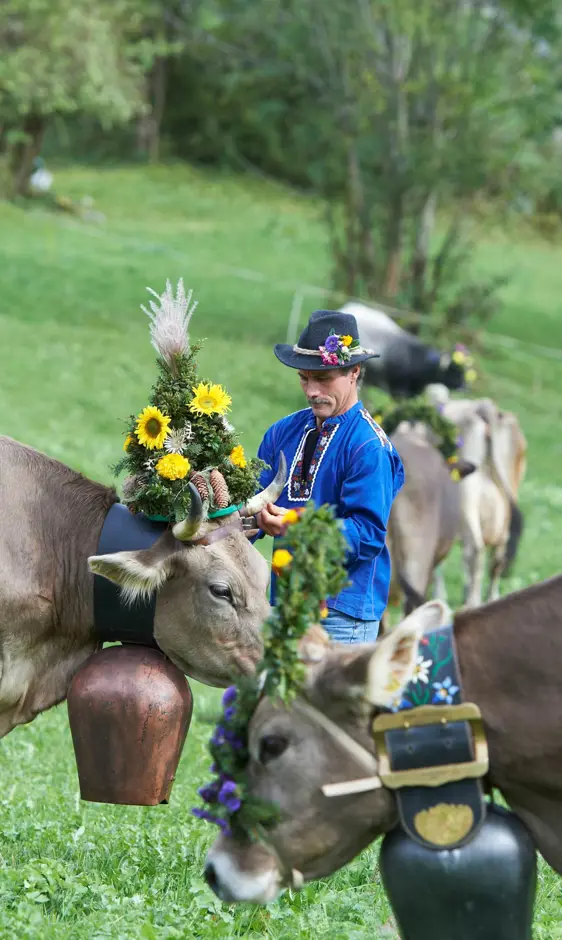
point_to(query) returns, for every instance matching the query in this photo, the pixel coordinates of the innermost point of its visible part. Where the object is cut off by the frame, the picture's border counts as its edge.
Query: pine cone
(200, 485)
(220, 489)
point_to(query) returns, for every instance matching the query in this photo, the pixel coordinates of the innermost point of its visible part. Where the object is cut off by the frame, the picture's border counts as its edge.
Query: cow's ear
(141, 572)
(392, 664)
(376, 673)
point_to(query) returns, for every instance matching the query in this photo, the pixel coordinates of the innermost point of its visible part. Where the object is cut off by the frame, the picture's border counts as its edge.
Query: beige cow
(491, 519)
(210, 593)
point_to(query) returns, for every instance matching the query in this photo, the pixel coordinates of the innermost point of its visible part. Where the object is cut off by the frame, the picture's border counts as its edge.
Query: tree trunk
(158, 82)
(23, 153)
(420, 257)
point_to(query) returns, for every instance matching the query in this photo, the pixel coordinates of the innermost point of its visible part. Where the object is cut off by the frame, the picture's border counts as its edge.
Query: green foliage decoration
(309, 567)
(417, 410)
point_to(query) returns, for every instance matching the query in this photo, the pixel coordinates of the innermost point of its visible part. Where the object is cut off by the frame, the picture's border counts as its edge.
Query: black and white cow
(406, 365)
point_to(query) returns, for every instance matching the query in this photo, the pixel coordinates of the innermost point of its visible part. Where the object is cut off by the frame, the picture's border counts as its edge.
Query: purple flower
(218, 736)
(210, 792)
(230, 695)
(229, 797)
(229, 713)
(460, 441)
(332, 343)
(213, 769)
(235, 742)
(210, 817)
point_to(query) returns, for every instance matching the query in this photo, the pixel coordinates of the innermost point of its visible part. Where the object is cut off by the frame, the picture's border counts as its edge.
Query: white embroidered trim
(376, 428)
(300, 448)
(358, 351)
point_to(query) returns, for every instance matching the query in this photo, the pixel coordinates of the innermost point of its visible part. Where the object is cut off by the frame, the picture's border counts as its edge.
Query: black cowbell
(484, 890)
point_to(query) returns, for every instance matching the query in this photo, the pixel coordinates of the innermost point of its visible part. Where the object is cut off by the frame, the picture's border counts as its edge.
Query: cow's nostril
(211, 877)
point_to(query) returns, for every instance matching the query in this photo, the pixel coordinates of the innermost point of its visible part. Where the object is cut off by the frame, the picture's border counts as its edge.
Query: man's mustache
(318, 401)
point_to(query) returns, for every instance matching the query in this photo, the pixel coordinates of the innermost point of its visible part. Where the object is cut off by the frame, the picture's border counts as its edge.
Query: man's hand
(270, 519)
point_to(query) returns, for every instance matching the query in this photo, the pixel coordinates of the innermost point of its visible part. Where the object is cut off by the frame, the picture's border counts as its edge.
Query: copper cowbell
(129, 709)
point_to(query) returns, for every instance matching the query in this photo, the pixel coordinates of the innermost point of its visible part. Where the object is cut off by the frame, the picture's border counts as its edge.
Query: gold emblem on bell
(444, 824)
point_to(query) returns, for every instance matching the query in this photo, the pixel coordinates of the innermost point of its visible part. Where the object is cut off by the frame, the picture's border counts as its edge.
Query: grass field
(75, 360)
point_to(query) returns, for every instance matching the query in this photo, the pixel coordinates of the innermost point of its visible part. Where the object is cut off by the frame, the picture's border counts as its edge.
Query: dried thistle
(169, 322)
(177, 439)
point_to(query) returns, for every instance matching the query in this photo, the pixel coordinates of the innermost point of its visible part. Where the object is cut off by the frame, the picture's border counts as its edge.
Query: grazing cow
(211, 592)
(406, 365)
(509, 654)
(491, 518)
(425, 519)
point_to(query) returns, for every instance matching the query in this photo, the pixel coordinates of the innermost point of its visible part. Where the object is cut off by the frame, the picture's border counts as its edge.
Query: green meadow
(75, 360)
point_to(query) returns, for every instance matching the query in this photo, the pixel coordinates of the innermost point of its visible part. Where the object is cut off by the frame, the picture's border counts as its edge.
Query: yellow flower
(281, 558)
(323, 610)
(210, 400)
(291, 516)
(455, 475)
(238, 456)
(346, 340)
(459, 357)
(451, 459)
(128, 441)
(378, 418)
(152, 427)
(173, 467)
(470, 375)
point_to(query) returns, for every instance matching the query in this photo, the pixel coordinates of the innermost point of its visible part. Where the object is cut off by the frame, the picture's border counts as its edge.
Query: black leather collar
(114, 620)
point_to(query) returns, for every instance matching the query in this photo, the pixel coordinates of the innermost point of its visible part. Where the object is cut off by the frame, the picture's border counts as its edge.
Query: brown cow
(210, 603)
(425, 519)
(510, 655)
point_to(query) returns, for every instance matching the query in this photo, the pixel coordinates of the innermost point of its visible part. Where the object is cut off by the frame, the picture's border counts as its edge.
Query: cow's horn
(187, 528)
(271, 492)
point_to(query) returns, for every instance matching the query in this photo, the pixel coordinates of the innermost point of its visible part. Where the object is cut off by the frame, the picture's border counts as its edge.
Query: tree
(393, 109)
(60, 57)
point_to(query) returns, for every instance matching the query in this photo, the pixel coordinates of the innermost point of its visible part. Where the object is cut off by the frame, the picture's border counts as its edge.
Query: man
(337, 454)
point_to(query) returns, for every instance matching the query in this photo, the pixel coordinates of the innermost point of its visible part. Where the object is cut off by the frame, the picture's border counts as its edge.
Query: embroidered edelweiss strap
(357, 351)
(432, 751)
(115, 621)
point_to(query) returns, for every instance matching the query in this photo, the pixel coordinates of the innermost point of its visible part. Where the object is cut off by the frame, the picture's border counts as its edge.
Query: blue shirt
(356, 470)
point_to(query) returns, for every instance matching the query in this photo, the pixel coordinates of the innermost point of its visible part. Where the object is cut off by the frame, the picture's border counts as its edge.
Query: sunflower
(210, 400)
(173, 467)
(238, 456)
(152, 427)
(128, 441)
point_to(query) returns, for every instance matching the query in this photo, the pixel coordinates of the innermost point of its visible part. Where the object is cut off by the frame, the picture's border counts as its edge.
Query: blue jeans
(345, 629)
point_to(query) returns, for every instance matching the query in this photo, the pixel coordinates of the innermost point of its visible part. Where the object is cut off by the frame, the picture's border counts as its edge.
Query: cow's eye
(272, 746)
(221, 590)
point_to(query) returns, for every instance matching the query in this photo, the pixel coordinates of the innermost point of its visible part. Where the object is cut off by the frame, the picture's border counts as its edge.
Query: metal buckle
(444, 773)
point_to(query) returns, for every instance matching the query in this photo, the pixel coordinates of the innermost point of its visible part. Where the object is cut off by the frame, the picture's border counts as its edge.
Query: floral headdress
(309, 568)
(337, 350)
(462, 357)
(447, 439)
(182, 435)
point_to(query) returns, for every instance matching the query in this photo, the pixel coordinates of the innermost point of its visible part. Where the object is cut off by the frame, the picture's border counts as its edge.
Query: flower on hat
(127, 442)
(470, 375)
(332, 343)
(336, 350)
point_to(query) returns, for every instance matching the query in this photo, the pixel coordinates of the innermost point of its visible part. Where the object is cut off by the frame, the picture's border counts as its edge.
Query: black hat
(332, 339)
